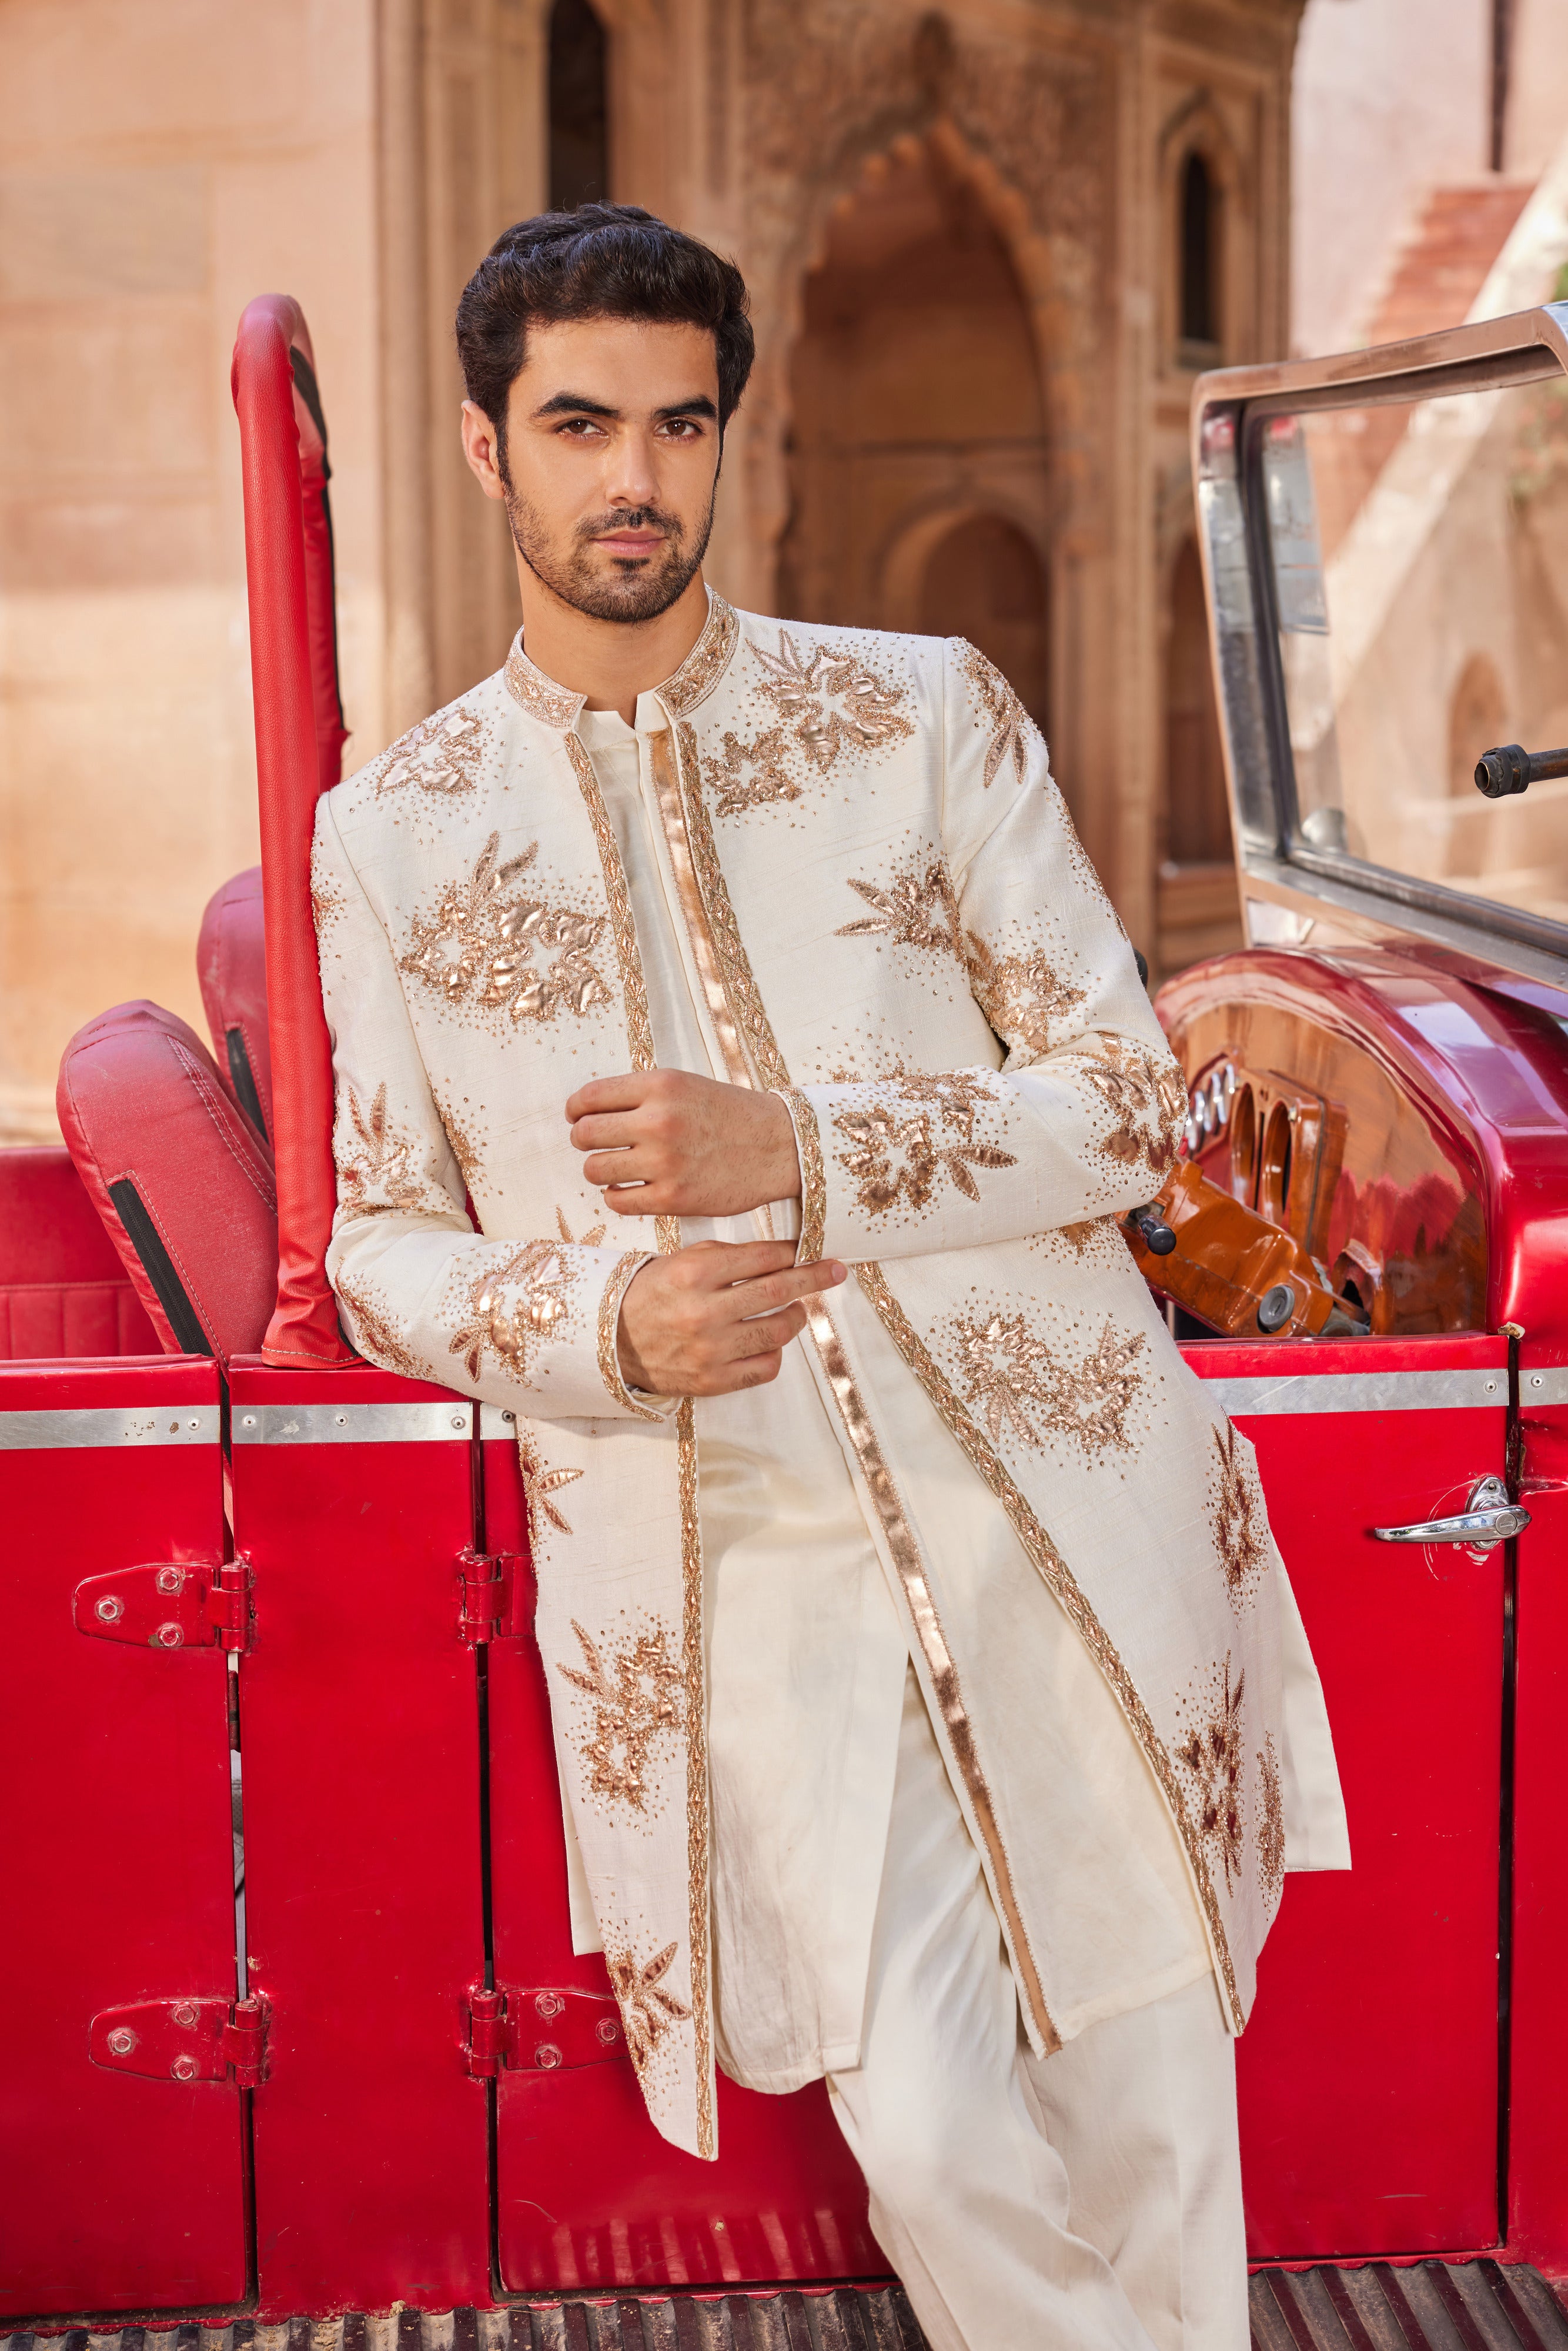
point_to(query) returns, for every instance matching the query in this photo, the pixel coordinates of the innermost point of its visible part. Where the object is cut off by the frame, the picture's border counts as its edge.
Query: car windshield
(1419, 554)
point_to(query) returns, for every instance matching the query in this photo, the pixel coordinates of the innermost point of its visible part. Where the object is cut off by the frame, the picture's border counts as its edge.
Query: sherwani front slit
(936, 1718)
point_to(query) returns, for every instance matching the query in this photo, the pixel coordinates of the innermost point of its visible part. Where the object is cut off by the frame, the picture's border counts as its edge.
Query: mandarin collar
(557, 707)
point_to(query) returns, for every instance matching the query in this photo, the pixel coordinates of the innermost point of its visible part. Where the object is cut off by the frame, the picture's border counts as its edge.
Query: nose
(633, 478)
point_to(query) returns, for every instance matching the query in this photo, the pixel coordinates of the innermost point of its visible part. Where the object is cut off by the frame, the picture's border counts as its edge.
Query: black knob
(1502, 771)
(1276, 1307)
(1157, 1234)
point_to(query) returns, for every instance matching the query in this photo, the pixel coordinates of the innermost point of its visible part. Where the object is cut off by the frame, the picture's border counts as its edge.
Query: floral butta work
(873, 871)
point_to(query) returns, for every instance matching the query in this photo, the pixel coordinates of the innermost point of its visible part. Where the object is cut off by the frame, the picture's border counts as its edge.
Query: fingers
(773, 1290)
(599, 1094)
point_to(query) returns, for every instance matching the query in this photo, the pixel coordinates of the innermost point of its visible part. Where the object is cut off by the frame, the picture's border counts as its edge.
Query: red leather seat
(63, 1291)
(181, 1179)
(231, 965)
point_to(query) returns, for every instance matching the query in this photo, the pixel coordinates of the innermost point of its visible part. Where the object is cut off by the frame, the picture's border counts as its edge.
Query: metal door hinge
(542, 2031)
(169, 1605)
(183, 2039)
(494, 1595)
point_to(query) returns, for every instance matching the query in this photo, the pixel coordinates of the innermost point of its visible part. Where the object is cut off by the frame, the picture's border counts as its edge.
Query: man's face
(612, 461)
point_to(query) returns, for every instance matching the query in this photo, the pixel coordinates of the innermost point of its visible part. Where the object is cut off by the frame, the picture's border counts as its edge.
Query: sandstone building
(988, 248)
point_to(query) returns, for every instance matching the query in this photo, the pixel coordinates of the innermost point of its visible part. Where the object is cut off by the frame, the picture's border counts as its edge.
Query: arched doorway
(915, 388)
(1198, 914)
(984, 580)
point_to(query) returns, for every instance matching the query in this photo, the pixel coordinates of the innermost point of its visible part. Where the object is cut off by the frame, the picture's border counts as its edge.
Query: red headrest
(180, 1179)
(231, 965)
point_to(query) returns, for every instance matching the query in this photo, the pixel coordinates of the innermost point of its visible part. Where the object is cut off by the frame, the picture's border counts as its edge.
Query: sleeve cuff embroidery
(813, 1174)
(609, 1325)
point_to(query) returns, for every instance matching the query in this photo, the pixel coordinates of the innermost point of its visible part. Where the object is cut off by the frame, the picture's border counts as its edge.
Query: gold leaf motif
(1270, 1827)
(329, 899)
(441, 755)
(1020, 1384)
(1010, 722)
(538, 1485)
(735, 789)
(830, 701)
(374, 1158)
(1147, 1098)
(377, 1336)
(1211, 1756)
(647, 2008)
(880, 1134)
(477, 952)
(1021, 995)
(511, 1329)
(637, 1696)
(1240, 1517)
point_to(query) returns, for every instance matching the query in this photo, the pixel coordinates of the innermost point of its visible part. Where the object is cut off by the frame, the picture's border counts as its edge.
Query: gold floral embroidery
(477, 950)
(539, 695)
(462, 1135)
(1241, 1523)
(1020, 995)
(376, 1334)
(610, 1300)
(1210, 1755)
(1270, 1826)
(1061, 1582)
(647, 2008)
(1010, 722)
(329, 899)
(590, 1239)
(813, 1174)
(705, 663)
(538, 1485)
(1021, 1385)
(736, 791)
(1147, 1097)
(511, 1331)
(1081, 1237)
(374, 1158)
(441, 755)
(636, 1698)
(876, 1133)
(803, 688)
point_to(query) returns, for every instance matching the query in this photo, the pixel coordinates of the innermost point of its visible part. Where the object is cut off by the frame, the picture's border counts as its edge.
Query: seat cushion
(63, 1291)
(179, 1176)
(231, 965)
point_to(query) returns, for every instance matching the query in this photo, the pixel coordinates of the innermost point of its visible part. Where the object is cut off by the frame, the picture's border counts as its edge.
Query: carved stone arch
(1199, 128)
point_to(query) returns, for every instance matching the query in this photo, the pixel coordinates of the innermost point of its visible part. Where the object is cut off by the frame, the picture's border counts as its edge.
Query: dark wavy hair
(601, 261)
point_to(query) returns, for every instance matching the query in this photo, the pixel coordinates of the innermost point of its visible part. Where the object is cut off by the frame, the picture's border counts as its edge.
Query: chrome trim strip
(1549, 1386)
(497, 1420)
(353, 1423)
(91, 1429)
(1323, 1391)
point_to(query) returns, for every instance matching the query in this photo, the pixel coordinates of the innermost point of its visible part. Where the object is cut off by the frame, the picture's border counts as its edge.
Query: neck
(609, 662)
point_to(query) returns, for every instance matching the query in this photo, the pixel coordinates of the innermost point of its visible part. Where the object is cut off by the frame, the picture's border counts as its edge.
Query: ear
(479, 448)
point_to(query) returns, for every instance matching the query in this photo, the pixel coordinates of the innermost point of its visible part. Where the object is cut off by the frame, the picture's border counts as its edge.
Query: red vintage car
(291, 2028)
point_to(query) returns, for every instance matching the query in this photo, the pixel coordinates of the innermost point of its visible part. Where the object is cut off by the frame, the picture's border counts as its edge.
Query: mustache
(632, 518)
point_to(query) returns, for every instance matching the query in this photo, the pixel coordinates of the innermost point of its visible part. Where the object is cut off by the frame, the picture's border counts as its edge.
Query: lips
(631, 543)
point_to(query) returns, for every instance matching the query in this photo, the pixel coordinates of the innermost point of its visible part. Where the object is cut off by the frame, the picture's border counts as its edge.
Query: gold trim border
(610, 1300)
(695, 1676)
(813, 1174)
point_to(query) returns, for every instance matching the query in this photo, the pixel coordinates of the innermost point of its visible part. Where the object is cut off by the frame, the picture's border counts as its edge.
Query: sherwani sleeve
(1082, 1119)
(530, 1324)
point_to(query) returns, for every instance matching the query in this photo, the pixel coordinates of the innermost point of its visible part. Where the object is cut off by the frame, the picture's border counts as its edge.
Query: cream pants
(1088, 2201)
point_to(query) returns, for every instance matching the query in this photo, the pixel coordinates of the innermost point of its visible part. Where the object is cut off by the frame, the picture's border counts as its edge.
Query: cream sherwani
(835, 864)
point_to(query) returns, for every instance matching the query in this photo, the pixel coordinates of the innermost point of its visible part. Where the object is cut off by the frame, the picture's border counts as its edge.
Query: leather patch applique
(897, 1150)
(1025, 1388)
(491, 950)
(440, 756)
(1238, 1517)
(511, 1306)
(638, 1697)
(1011, 724)
(1210, 1758)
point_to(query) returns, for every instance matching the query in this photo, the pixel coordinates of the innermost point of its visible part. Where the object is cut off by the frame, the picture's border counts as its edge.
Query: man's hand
(684, 1327)
(665, 1144)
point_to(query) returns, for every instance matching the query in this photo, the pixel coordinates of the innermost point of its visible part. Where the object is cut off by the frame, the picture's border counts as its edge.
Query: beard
(638, 590)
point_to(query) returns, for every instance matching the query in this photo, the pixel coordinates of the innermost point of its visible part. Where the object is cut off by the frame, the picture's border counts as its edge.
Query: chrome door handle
(1487, 1519)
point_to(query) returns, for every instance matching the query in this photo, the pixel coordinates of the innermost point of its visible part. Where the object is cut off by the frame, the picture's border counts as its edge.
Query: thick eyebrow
(571, 404)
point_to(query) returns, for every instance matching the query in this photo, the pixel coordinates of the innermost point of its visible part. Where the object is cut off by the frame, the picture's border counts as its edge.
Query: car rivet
(546, 2057)
(1535, 1379)
(184, 2015)
(170, 1579)
(169, 1636)
(342, 1419)
(110, 1610)
(195, 1423)
(607, 2030)
(122, 2041)
(248, 1420)
(548, 2004)
(183, 2068)
(458, 1420)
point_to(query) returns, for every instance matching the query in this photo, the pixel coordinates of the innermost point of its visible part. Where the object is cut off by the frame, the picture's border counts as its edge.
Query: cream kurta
(841, 870)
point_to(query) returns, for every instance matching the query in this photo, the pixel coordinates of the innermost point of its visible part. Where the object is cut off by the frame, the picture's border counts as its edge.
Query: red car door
(1369, 2072)
(122, 2130)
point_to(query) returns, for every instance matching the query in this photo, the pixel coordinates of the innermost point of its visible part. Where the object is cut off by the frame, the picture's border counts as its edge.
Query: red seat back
(63, 1291)
(181, 1179)
(231, 965)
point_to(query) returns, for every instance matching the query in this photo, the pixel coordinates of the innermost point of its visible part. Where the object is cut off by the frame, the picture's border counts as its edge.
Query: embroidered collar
(555, 705)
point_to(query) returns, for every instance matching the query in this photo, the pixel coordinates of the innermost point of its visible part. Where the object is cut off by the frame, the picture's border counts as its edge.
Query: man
(930, 1701)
